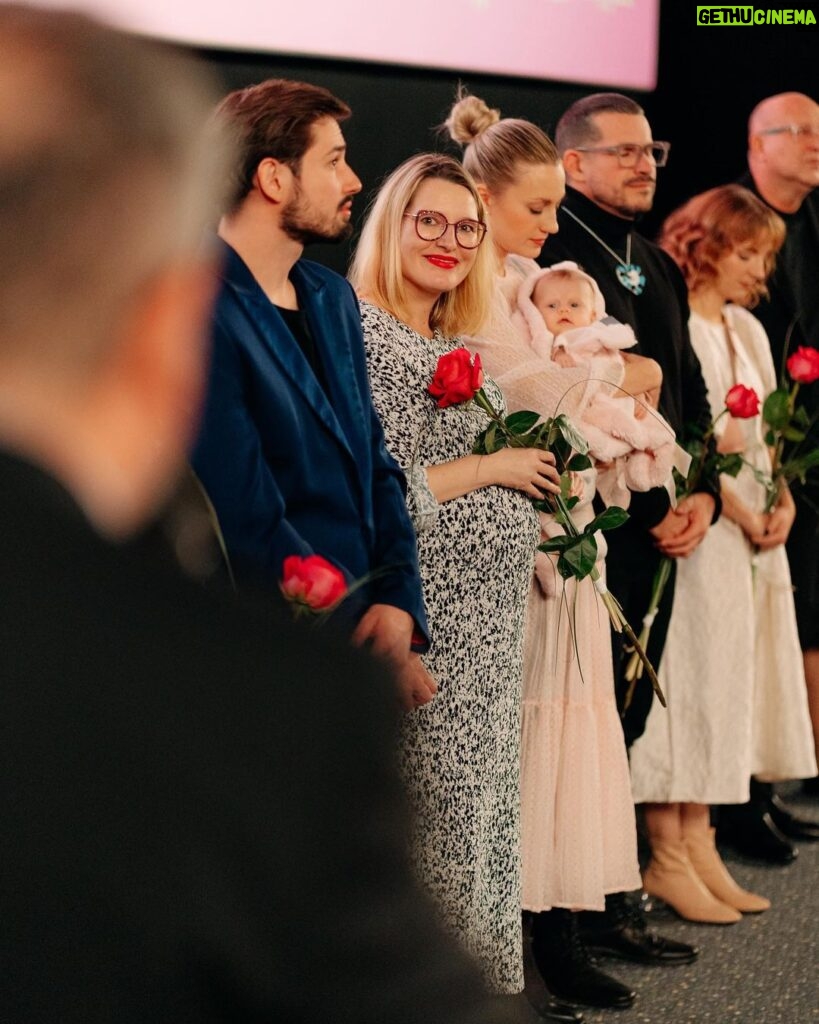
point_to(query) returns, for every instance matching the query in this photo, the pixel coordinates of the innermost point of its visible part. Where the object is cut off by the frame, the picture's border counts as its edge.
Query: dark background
(709, 79)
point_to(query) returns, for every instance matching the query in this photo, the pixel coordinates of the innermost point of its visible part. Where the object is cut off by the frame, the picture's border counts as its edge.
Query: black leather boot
(789, 824)
(750, 828)
(551, 1011)
(622, 932)
(566, 967)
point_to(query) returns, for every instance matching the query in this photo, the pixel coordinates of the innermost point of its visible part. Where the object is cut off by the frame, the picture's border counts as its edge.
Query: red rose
(312, 582)
(803, 365)
(742, 402)
(457, 378)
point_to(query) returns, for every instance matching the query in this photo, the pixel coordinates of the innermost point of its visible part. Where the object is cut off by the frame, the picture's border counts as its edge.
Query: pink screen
(601, 42)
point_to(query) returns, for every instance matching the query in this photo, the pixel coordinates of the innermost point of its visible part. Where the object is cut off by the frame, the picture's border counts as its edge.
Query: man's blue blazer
(289, 468)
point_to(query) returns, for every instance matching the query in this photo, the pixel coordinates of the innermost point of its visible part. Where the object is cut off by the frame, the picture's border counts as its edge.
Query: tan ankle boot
(670, 876)
(702, 852)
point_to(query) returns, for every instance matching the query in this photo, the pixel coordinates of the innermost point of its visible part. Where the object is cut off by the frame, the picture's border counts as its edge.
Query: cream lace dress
(732, 669)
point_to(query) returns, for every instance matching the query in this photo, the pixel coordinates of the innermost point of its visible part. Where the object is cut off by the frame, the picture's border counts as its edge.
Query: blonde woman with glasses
(423, 271)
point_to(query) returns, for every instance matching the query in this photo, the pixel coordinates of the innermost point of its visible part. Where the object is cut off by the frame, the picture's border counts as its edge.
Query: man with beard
(611, 159)
(291, 452)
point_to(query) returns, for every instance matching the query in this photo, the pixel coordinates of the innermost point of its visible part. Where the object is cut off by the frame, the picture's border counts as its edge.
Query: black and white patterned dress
(461, 752)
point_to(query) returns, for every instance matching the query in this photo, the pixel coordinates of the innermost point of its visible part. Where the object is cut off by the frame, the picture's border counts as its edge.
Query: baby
(563, 311)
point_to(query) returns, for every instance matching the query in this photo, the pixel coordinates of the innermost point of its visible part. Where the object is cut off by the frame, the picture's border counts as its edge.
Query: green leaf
(565, 570)
(801, 417)
(578, 463)
(770, 438)
(776, 409)
(582, 556)
(570, 434)
(521, 422)
(696, 449)
(806, 461)
(609, 519)
(793, 434)
(489, 441)
(560, 543)
(730, 465)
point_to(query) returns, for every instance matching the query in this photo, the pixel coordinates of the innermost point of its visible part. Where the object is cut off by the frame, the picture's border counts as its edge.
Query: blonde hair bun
(469, 118)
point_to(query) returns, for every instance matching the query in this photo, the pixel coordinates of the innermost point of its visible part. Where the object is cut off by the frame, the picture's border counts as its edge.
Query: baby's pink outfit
(641, 450)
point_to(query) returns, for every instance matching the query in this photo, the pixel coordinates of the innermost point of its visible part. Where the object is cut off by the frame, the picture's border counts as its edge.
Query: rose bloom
(741, 402)
(803, 365)
(457, 378)
(313, 582)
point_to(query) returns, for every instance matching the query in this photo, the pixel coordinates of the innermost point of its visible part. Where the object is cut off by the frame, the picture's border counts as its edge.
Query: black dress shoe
(567, 970)
(754, 835)
(622, 933)
(789, 824)
(560, 1013)
(549, 1010)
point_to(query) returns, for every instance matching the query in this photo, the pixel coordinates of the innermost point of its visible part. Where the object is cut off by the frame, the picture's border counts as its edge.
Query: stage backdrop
(610, 42)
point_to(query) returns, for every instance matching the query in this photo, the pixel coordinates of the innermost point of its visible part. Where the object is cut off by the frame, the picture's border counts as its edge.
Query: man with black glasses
(611, 160)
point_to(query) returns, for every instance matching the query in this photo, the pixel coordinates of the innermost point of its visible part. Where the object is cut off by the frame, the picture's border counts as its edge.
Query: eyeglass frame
(665, 149)
(447, 225)
(796, 131)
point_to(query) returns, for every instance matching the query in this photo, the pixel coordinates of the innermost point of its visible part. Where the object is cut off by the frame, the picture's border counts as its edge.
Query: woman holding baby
(578, 838)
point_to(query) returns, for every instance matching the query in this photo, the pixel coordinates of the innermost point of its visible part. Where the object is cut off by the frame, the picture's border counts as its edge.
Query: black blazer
(201, 819)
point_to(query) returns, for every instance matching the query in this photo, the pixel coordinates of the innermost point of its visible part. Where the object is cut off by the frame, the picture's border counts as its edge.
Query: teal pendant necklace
(629, 274)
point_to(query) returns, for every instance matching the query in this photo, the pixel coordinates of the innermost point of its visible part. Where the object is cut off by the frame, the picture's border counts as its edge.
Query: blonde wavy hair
(376, 272)
(704, 230)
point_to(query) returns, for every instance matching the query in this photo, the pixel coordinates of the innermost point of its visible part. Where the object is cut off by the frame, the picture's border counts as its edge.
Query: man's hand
(699, 510)
(387, 633)
(671, 526)
(415, 685)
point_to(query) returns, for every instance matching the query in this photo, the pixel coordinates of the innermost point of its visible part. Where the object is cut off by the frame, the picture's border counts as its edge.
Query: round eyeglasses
(629, 153)
(431, 225)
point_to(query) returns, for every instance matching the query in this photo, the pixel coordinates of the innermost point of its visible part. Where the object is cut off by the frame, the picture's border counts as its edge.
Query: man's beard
(303, 225)
(618, 201)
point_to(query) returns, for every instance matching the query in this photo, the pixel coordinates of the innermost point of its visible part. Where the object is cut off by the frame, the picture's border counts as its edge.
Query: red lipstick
(444, 262)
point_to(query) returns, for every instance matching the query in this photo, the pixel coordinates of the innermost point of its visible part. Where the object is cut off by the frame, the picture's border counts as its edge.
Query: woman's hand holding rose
(530, 470)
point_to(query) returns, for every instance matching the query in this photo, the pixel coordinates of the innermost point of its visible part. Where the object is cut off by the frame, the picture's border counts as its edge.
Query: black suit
(201, 820)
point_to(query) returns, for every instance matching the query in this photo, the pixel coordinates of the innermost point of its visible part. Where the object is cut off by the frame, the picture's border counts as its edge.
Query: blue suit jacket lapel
(283, 348)
(331, 336)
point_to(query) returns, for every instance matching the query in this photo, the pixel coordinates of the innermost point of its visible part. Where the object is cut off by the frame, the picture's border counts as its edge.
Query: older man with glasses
(611, 163)
(783, 170)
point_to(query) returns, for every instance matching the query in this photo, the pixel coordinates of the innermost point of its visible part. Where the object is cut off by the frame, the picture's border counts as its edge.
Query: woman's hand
(777, 525)
(562, 358)
(642, 374)
(529, 470)
(754, 525)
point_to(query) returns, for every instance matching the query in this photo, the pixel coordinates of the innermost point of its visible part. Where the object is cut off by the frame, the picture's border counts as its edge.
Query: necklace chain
(623, 263)
(630, 276)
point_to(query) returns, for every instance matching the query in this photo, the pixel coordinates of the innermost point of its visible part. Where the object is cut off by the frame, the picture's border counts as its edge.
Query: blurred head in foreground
(107, 164)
